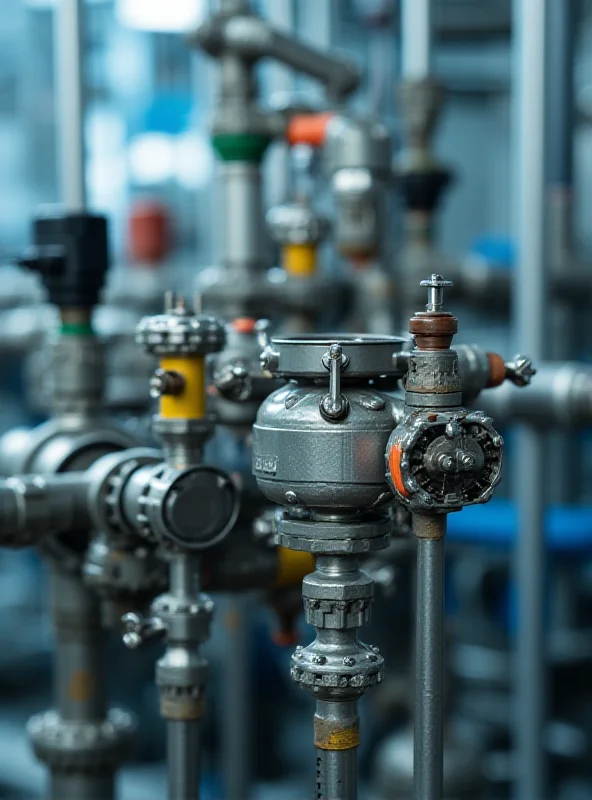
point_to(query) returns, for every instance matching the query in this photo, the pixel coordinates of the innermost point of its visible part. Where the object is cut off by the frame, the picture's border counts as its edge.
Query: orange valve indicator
(243, 324)
(394, 465)
(308, 129)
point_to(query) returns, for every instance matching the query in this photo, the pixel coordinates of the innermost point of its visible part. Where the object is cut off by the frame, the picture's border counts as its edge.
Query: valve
(71, 254)
(444, 460)
(439, 458)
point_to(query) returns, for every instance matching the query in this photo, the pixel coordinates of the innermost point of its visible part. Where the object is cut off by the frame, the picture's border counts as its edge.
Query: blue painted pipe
(568, 528)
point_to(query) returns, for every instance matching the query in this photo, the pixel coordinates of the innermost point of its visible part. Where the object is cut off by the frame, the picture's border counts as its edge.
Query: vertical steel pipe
(428, 772)
(236, 719)
(416, 36)
(563, 342)
(183, 759)
(337, 769)
(80, 786)
(69, 93)
(530, 308)
(182, 658)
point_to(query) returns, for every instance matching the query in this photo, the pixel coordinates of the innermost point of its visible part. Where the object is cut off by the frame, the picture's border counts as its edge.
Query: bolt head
(349, 661)
(132, 640)
(467, 461)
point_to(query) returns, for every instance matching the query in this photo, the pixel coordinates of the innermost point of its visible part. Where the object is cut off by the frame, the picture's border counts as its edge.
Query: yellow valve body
(300, 259)
(293, 566)
(190, 403)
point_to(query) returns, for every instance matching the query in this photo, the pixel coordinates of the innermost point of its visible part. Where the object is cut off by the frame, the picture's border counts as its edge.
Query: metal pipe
(183, 761)
(251, 37)
(416, 36)
(429, 658)
(76, 786)
(560, 93)
(32, 506)
(531, 322)
(236, 719)
(183, 740)
(563, 341)
(80, 677)
(69, 93)
(242, 233)
(337, 769)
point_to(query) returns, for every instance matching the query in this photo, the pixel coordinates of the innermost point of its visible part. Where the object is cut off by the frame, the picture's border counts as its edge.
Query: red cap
(149, 232)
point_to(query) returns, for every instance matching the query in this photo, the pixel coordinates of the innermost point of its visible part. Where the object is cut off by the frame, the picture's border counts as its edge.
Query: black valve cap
(422, 190)
(201, 507)
(71, 253)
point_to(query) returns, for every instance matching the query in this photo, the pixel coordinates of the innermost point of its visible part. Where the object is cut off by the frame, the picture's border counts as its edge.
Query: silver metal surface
(429, 662)
(35, 506)
(416, 36)
(337, 769)
(560, 395)
(69, 93)
(80, 740)
(302, 459)
(183, 759)
(358, 158)
(364, 355)
(531, 304)
(237, 717)
(250, 38)
(241, 232)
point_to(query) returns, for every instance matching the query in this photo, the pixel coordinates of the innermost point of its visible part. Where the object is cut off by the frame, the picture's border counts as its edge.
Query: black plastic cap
(71, 253)
(422, 190)
(201, 507)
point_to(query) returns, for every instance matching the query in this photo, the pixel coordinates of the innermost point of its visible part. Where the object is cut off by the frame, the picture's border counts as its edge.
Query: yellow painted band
(293, 565)
(190, 403)
(300, 259)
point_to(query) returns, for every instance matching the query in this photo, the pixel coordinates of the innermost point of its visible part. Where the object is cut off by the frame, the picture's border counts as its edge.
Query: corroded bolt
(319, 659)
(349, 661)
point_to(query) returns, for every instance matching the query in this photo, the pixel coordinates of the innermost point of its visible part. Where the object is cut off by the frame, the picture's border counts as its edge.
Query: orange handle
(308, 128)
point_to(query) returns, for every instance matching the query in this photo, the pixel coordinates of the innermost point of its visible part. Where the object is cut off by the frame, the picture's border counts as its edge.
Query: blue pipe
(568, 529)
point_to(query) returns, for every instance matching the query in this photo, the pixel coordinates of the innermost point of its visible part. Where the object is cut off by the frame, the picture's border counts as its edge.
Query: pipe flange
(74, 746)
(333, 538)
(107, 477)
(186, 619)
(337, 672)
(180, 333)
